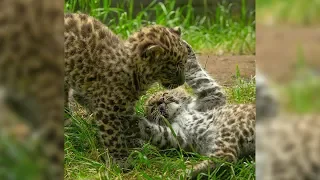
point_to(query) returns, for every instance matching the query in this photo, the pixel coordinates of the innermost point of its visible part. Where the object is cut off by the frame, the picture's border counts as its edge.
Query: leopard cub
(113, 73)
(204, 123)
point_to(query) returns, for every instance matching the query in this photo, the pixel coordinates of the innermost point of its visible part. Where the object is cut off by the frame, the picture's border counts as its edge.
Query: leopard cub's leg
(228, 148)
(210, 165)
(111, 136)
(71, 97)
(83, 100)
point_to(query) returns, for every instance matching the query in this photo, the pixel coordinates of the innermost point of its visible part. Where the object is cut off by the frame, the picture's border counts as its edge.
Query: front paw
(188, 172)
(129, 122)
(133, 127)
(123, 163)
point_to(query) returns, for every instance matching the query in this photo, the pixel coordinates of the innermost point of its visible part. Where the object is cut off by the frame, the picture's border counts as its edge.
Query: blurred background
(288, 44)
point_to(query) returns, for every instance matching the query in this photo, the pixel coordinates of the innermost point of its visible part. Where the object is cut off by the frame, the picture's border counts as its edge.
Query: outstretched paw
(186, 173)
(190, 172)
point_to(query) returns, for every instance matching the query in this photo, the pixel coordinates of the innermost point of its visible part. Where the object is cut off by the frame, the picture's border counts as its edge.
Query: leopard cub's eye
(170, 98)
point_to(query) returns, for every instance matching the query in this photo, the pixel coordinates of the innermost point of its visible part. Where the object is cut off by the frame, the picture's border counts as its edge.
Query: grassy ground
(82, 157)
(223, 33)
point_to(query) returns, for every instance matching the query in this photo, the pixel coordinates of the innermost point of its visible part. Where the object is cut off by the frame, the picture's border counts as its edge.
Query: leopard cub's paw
(185, 173)
(189, 171)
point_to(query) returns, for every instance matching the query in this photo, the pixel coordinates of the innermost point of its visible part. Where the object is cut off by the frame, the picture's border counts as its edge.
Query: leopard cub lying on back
(204, 123)
(113, 73)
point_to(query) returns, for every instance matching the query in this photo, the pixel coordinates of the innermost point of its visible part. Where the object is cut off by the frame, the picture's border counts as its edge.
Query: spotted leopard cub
(113, 73)
(288, 146)
(204, 123)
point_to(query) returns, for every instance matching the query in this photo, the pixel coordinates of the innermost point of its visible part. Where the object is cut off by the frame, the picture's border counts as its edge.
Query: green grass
(244, 91)
(297, 12)
(220, 33)
(82, 157)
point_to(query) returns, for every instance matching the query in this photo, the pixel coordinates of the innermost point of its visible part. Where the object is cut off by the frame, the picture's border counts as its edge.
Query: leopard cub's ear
(153, 51)
(177, 30)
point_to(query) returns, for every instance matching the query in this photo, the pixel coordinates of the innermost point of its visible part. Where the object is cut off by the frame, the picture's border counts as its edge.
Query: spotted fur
(204, 123)
(31, 84)
(209, 93)
(113, 73)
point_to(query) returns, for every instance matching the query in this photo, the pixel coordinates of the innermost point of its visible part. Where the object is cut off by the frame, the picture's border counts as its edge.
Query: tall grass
(215, 33)
(243, 91)
(208, 33)
(82, 157)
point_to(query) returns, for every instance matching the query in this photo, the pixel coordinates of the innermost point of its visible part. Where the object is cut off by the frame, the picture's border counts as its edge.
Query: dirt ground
(223, 68)
(277, 50)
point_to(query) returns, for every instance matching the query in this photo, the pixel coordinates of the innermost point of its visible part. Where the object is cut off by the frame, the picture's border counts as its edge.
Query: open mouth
(162, 110)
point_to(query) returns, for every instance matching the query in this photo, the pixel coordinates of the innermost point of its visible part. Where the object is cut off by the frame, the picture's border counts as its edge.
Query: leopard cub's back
(226, 127)
(98, 62)
(226, 132)
(91, 50)
(85, 26)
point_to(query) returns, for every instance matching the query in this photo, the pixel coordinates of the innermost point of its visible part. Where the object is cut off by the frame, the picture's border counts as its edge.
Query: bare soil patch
(277, 55)
(223, 68)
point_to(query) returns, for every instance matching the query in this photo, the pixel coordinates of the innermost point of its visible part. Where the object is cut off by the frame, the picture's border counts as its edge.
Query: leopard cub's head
(166, 104)
(162, 54)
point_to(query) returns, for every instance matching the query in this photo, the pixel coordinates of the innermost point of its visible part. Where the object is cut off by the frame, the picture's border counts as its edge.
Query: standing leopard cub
(114, 73)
